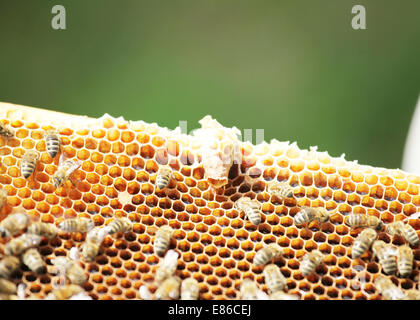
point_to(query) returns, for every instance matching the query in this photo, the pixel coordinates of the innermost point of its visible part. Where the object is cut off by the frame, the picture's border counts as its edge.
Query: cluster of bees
(22, 249)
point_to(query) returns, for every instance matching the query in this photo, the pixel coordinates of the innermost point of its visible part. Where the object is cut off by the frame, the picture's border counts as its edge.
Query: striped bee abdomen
(253, 214)
(405, 260)
(33, 260)
(410, 235)
(310, 262)
(28, 164)
(274, 279)
(52, 141)
(76, 225)
(164, 177)
(305, 215)
(90, 250)
(8, 266)
(266, 254)
(363, 242)
(119, 225)
(162, 239)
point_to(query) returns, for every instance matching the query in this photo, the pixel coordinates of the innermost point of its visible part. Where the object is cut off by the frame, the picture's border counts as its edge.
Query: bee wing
(61, 159)
(391, 251)
(74, 167)
(170, 258)
(261, 295)
(412, 217)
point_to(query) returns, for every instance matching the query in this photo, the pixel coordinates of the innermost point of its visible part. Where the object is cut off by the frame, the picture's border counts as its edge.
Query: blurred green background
(294, 68)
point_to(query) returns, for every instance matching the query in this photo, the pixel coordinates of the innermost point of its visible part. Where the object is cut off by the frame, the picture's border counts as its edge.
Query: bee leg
(72, 182)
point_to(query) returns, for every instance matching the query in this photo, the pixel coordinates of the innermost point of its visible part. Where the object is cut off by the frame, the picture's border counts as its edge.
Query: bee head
(58, 179)
(3, 232)
(380, 226)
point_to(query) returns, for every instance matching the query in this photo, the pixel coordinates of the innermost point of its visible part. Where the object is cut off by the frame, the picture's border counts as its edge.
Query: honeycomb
(216, 244)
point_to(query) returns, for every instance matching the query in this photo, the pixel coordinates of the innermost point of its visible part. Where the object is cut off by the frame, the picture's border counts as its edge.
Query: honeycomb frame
(215, 242)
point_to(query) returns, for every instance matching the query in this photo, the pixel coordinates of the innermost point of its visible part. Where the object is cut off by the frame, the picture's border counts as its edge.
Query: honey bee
(33, 260)
(310, 261)
(72, 270)
(65, 292)
(388, 289)
(28, 163)
(76, 225)
(274, 279)
(169, 288)
(64, 171)
(162, 239)
(250, 208)
(119, 225)
(6, 131)
(43, 229)
(163, 177)
(280, 295)
(308, 214)
(13, 224)
(267, 253)
(94, 238)
(405, 260)
(90, 250)
(7, 286)
(8, 266)
(167, 267)
(363, 242)
(386, 255)
(189, 289)
(405, 230)
(364, 221)
(18, 245)
(3, 198)
(52, 141)
(281, 190)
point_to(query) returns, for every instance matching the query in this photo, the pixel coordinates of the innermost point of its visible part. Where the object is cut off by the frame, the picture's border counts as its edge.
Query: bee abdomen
(302, 217)
(412, 236)
(7, 286)
(33, 260)
(118, 225)
(68, 225)
(8, 266)
(253, 215)
(161, 245)
(308, 267)
(76, 225)
(389, 265)
(405, 267)
(262, 257)
(358, 249)
(90, 250)
(43, 229)
(27, 168)
(162, 181)
(52, 146)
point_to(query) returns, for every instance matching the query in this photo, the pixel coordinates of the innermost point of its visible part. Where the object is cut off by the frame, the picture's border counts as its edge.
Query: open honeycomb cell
(215, 242)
